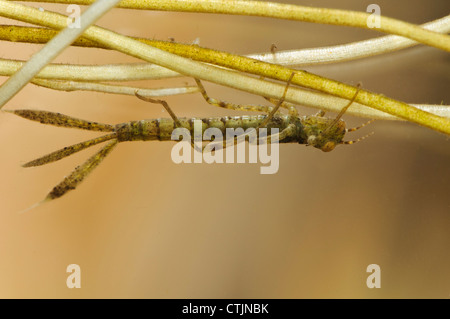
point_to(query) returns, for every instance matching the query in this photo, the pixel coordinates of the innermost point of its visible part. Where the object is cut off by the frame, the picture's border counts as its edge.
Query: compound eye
(329, 146)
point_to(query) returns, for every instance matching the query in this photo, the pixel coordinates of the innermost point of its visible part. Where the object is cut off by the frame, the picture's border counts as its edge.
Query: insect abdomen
(161, 129)
(144, 130)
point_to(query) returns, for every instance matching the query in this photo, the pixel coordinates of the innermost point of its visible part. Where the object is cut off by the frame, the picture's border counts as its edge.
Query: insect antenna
(344, 109)
(357, 140)
(358, 127)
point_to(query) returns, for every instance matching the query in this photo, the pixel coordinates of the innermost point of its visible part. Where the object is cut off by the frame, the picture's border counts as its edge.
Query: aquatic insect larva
(315, 130)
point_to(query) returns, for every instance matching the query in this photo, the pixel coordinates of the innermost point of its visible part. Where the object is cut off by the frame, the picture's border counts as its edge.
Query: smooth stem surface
(52, 49)
(287, 12)
(141, 71)
(301, 57)
(229, 78)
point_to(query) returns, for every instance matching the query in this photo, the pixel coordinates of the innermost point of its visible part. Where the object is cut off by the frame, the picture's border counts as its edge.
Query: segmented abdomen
(161, 129)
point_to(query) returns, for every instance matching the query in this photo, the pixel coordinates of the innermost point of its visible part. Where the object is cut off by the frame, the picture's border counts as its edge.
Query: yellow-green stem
(231, 79)
(284, 11)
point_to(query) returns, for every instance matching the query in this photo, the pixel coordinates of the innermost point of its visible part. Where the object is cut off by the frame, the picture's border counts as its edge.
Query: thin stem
(108, 72)
(284, 11)
(53, 48)
(348, 51)
(230, 78)
(71, 74)
(114, 89)
(303, 57)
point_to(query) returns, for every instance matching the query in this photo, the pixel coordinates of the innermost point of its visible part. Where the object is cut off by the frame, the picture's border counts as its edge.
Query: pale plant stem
(109, 72)
(308, 98)
(52, 49)
(229, 78)
(114, 89)
(285, 11)
(348, 51)
(303, 57)
(335, 104)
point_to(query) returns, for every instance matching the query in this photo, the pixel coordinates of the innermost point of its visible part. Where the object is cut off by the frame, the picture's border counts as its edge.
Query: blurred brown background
(141, 226)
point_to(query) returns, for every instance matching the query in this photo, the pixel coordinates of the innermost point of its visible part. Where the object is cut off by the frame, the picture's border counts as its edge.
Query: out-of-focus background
(141, 226)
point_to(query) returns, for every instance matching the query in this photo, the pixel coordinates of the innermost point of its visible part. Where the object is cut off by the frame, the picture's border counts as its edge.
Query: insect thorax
(321, 132)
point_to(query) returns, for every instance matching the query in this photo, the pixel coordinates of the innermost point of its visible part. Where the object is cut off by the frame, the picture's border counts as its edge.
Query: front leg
(289, 131)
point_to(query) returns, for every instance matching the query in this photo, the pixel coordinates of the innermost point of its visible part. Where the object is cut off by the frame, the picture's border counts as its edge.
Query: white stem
(52, 49)
(145, 71)
(114, 89)
(107, 72)
(350, 51)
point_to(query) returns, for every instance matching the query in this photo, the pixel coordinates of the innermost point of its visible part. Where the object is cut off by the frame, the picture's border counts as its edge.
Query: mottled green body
(161, 129)
(318, 131)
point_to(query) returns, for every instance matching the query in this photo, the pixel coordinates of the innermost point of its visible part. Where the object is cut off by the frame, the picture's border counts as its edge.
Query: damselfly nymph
(314, 130)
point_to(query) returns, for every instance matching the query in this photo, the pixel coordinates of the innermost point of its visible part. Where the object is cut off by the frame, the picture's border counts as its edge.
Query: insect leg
(289, 106)
(223, 144)
(172, 114)
(77, 176)
(344, 109)
(69, 150)
(163, 103)
(231, 106)
(288, 131)
(271, 114)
